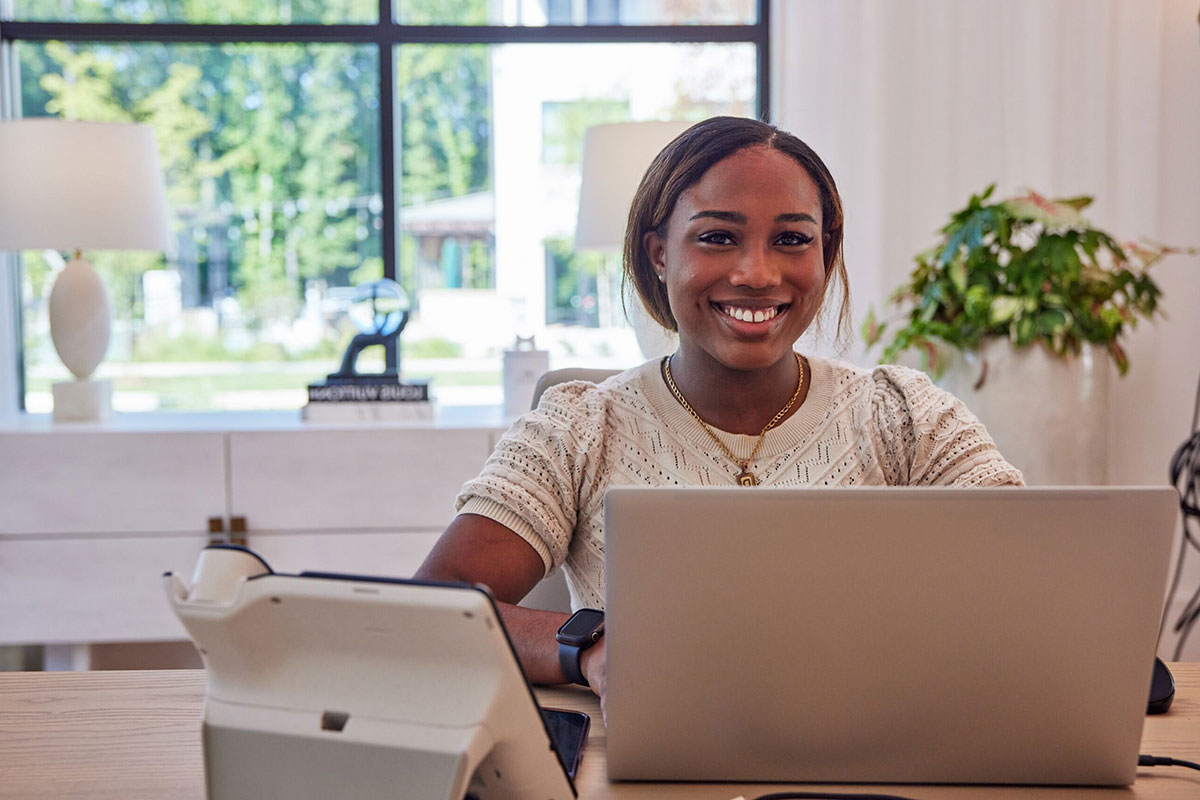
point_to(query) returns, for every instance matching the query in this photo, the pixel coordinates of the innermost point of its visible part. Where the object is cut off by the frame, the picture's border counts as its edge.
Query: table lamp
(615, 158)
(80, 185)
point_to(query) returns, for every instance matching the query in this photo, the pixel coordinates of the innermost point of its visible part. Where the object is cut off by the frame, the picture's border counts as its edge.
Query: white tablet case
(323, 687)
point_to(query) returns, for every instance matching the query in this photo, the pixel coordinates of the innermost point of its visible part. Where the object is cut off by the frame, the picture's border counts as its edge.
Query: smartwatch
(581, 631)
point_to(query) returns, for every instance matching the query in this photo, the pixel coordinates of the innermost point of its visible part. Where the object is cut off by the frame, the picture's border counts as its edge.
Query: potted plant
(1027, 289)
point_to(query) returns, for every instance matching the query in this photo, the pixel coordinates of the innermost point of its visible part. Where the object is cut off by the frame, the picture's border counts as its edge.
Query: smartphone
(568, 731)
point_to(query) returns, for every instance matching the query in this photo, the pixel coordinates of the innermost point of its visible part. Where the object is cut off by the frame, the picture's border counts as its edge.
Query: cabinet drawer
(352, 479)
(80, 483)
(91, 590)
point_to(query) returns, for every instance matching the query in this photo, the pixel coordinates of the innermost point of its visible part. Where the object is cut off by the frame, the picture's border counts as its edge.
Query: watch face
(579, 629)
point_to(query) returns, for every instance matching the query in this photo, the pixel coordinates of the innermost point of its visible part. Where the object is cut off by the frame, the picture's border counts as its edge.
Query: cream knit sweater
(547, 476)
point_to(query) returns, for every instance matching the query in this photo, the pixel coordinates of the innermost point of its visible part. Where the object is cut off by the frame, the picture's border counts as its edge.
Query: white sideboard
(91, 516)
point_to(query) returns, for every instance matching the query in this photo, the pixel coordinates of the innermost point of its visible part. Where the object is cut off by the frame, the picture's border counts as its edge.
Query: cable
(828, 796)
(1185, 477)
(1159, 761)
(1143, 761)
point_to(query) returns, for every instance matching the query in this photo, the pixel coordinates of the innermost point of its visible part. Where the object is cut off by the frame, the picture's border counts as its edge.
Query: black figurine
(388, 314)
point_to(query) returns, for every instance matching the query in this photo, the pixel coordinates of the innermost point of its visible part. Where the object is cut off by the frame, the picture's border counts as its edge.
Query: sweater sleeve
(929, 437)
(532, 482)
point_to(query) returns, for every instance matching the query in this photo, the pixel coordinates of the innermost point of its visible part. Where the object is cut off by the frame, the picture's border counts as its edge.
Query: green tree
(445, 108)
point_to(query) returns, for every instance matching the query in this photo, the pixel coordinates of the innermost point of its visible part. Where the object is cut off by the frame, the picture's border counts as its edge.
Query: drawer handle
(216, 531)
(237, 531)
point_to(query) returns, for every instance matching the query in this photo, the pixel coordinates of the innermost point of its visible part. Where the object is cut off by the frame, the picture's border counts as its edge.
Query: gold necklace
(745, 477)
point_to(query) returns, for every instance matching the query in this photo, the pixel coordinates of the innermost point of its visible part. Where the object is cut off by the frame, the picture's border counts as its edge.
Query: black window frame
(385, 34)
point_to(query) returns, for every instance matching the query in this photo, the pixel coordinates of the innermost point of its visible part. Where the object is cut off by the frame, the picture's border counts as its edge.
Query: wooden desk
(137, 735)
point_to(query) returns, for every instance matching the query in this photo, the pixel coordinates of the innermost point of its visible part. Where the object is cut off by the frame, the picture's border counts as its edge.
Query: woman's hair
(682, 163)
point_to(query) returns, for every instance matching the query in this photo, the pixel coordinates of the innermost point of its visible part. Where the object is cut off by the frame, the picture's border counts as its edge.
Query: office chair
(556, 376)
(551, 593)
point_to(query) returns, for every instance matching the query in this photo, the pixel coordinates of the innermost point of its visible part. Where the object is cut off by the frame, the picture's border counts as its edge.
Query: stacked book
(367, 401)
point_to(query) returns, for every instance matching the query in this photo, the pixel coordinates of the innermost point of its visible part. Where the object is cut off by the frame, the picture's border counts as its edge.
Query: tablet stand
(325, 686)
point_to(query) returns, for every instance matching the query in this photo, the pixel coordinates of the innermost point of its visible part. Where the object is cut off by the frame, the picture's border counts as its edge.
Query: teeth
(751, 315)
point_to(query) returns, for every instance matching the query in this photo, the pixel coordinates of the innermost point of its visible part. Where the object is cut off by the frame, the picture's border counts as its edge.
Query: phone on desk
(568, 730)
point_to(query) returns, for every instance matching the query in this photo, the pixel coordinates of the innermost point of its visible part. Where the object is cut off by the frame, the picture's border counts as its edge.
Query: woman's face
(743, 259)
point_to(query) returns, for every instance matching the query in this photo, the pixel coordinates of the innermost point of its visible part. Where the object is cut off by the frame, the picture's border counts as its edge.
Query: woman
(734, 240)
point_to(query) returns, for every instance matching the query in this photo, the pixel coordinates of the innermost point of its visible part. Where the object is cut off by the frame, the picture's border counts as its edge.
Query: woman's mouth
(746, 314)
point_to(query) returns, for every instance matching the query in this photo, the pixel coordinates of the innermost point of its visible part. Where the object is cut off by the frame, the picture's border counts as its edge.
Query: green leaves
(1029, 269)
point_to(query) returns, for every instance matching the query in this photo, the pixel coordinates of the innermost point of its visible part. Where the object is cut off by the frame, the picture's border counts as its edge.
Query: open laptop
(926, 635)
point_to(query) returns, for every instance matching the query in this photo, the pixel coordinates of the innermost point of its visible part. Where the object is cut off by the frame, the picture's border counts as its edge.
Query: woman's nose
(756, 269)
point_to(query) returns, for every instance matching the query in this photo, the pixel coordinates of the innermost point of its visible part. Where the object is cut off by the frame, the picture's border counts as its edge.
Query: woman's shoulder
(903, 382)
(846, 378)
(889, 391)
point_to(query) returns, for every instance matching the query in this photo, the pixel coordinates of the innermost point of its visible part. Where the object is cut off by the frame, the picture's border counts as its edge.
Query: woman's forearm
(532, 634)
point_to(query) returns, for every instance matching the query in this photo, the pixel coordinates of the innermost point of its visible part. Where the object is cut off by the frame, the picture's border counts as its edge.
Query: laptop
(899, 635)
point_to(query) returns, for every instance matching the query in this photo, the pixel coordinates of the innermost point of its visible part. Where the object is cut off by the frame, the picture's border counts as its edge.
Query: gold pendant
(746, 478)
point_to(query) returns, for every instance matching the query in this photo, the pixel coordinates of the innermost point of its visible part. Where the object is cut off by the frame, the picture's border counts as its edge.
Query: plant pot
(1048, 415)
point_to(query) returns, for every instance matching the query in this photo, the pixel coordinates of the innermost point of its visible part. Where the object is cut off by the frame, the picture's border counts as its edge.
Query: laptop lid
(882, 635)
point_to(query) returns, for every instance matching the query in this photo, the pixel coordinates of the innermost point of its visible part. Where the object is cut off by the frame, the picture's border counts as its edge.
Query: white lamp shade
(81, 185)
(615, 158)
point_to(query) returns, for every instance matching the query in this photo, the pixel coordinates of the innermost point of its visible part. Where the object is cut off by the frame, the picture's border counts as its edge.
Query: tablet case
(324, 685)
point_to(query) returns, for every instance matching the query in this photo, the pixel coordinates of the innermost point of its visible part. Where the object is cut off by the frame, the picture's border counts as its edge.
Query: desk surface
(137, 734)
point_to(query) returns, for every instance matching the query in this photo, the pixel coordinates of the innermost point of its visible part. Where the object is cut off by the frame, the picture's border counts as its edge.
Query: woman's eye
(793, 239)
(716, 237)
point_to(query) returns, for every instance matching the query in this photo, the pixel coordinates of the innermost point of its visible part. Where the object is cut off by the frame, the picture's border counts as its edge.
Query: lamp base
(82, 401)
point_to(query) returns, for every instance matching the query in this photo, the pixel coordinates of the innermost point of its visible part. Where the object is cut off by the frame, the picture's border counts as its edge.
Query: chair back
(556, 376)
(551, 594)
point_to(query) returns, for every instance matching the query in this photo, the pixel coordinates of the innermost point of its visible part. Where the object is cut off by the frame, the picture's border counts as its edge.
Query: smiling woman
(734, 240)
(741, 260)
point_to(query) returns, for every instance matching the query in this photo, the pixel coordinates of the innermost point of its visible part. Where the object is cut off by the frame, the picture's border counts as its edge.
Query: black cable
(1179, 559)
(1143, 761)
(1185, 624)
(1185, 477)
(828, 796)
(1159, 761)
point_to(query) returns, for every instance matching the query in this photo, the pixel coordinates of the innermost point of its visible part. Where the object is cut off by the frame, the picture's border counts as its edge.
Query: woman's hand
(594, 666)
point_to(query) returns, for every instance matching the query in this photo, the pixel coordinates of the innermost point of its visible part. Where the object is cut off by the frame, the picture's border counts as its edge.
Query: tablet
(325, 685)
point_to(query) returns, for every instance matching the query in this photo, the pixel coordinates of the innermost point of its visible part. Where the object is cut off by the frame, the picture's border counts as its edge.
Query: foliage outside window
(274, 158)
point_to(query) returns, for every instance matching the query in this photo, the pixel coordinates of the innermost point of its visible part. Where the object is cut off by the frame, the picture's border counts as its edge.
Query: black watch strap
(568, 659)
(581, 630)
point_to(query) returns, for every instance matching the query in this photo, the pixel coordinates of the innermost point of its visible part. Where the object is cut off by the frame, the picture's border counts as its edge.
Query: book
(367, 411)
(368, 392)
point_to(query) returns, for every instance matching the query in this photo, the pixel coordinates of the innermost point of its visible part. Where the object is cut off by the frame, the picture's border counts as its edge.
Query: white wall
(915, 104)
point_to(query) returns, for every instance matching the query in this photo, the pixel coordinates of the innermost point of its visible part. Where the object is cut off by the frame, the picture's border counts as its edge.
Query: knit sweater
(547, 477)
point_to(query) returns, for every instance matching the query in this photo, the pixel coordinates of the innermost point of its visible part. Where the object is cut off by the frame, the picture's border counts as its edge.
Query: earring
(662, 278)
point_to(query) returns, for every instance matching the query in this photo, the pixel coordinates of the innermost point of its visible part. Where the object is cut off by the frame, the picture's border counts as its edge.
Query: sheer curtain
(915, 104)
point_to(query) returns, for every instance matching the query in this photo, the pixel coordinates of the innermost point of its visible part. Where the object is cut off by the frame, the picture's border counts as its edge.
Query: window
(310, 146)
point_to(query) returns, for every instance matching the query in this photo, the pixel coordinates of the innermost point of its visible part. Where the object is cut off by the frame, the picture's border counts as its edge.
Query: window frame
(386, 35)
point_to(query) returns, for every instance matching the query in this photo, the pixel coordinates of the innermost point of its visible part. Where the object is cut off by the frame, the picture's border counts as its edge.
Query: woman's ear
(656, 249)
